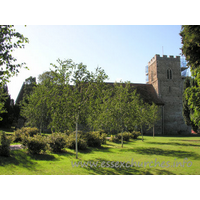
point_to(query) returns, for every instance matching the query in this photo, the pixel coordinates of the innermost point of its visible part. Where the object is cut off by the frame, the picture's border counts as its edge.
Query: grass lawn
(168, 150)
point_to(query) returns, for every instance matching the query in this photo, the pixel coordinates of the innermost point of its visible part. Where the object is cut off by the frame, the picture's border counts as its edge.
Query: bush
(57, 141)
(35, 144)
(5, 145)
(71, 141)
(85, 139)
(113, 138)
(126, 136)
(93, 139)
(103, 138)
(25, 132)
(135, 134)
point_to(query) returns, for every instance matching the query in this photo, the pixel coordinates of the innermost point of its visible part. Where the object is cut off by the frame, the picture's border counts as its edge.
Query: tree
(74, 93)
(9, 110)
(3, 98)
(35, 109)
(191, 47)
(118, 110)
(29, 85)
(187, 111)
(9, 41)
(191, 50)
(145, 114)
(152, 115)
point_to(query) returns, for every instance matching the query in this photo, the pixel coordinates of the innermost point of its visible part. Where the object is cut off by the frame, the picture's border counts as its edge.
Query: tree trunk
(142, 133)
(40, 128)
(153, 131)
(122, 139)
(76, 140)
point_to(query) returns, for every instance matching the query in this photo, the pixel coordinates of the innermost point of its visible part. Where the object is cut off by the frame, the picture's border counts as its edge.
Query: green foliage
(93, 139)
(71, 141)
(36, 144)
(113, 138)
(191, 50)
(35, 107)
(103, 138)
(57, 141)
(187, 110)
(126, 136)
(119, 108)
(3, 99)
(5, 145)
(7, 62)
(135, 134)
(192, 95)
(72, 95)
(25, 132)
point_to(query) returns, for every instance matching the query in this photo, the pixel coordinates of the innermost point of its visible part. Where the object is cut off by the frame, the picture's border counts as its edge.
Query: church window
(169, 74)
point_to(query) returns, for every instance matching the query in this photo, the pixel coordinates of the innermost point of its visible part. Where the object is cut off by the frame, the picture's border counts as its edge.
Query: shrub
(103, 138)
(19, 135)
(5, 145)
(35, 144)
(135, 134)
(126, 136)
(113, 138)
(25, 132)
(93, 139)
(57, 141)
(71, 141)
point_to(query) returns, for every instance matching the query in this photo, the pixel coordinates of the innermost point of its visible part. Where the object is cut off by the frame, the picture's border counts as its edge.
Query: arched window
(169, 74)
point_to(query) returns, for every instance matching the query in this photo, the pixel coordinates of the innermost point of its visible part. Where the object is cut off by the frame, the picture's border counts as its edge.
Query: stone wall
(170, 90)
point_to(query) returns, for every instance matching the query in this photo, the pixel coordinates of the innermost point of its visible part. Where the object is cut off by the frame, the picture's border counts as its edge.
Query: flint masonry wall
(170, 90)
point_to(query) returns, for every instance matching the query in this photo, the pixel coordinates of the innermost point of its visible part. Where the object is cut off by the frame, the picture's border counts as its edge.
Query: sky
(122, 51)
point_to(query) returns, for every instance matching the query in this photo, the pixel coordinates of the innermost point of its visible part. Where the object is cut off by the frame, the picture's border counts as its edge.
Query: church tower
(164, 73)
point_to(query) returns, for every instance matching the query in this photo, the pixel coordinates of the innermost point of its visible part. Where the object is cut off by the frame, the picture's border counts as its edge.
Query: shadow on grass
(19, 158)
(45, 157)
(161, 152)
(107, 170)
(95, 149)
(174, 143)
(50, 157)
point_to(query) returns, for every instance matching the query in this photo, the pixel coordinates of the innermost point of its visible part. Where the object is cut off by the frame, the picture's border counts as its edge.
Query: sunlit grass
(159, 149)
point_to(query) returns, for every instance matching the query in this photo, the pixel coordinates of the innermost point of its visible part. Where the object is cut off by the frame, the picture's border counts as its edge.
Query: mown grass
(163, 149)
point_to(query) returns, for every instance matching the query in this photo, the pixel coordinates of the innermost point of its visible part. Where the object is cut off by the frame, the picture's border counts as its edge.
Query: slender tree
(118, 110)
(35, 109)
(153, 115)
(75, 93)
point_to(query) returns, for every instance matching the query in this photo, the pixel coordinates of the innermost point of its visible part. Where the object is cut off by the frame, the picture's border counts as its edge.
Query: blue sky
(122, 51)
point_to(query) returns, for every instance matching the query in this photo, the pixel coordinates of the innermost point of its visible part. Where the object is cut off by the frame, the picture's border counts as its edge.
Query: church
(164, 87)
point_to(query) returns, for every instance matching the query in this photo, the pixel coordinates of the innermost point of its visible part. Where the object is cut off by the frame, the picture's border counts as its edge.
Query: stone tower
(164, 73)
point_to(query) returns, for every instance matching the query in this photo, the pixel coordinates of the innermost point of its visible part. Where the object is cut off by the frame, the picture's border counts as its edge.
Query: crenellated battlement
(158, 57)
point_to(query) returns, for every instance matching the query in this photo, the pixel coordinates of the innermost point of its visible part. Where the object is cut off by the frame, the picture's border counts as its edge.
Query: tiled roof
(146, 92)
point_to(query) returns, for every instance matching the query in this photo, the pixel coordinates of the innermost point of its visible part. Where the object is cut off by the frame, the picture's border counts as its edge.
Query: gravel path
(15, 147)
